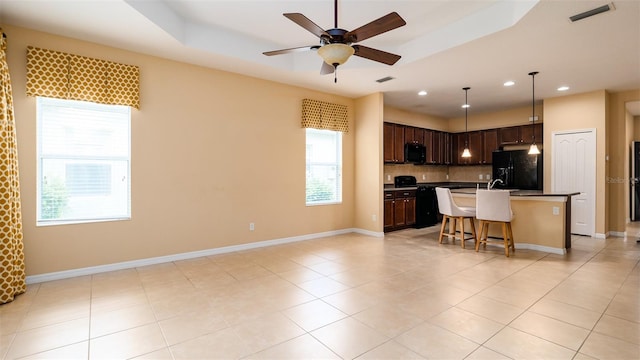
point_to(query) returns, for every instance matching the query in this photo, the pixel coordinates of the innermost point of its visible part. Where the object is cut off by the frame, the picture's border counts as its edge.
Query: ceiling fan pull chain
(335, 74)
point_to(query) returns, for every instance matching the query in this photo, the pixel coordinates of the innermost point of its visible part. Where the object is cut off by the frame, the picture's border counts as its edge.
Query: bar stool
(494, 206)
(454, 213)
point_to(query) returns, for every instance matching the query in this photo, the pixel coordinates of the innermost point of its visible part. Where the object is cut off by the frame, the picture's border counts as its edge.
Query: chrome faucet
(493, 182)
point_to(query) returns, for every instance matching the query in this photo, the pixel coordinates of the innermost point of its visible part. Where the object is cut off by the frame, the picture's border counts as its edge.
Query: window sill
(74, 222)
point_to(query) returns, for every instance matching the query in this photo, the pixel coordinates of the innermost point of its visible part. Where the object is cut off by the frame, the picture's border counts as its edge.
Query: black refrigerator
(517, 170)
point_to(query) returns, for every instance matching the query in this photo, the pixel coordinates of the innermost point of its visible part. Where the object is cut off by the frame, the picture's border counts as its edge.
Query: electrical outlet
(556, 210)
(488, 177)
(374, 217)
(252, 226)
(447, 176)
(424, 177)
(388, 177)
(480, 177)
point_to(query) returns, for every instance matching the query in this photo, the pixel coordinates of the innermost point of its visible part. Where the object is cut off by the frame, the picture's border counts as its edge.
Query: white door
(574, 170)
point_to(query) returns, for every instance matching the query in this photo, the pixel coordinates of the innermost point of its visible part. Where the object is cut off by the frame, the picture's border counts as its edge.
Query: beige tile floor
(344, 297)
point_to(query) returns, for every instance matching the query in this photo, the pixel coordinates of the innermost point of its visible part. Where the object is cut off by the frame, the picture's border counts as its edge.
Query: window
(324, 167)
(83, 161)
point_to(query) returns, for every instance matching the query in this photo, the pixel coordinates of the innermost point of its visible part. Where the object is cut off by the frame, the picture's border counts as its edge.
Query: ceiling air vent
(589, 13)
(385, 79)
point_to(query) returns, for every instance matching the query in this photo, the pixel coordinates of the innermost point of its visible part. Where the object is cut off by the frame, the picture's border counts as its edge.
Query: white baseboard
(547, 249)
(601, 235)
(369, 233)
(618, 233)
(59, 275)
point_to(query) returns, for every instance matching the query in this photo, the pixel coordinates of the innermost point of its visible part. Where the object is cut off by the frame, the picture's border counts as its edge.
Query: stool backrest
(445, 201)
(447, 206)
(493, 205)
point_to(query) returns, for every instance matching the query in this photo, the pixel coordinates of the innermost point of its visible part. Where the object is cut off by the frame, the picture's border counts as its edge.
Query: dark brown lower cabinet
(399, 209)
(389, 213)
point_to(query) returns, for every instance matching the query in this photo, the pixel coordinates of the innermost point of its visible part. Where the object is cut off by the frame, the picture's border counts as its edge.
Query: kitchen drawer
(389, 195)
(405, 194)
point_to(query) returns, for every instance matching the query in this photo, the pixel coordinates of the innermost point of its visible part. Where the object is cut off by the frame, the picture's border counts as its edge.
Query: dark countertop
(470, 188)
(516, 192)
(450, 185)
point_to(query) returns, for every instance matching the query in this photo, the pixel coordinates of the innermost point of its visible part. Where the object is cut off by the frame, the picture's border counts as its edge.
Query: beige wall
(619, 139)
(498, 119)
(398, 116)
(368, 165)
(211, 151)
(581, 111)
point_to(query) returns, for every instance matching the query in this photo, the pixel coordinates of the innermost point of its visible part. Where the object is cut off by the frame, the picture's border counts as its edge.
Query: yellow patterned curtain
(66, 76)
(12, 273)
(324, 116)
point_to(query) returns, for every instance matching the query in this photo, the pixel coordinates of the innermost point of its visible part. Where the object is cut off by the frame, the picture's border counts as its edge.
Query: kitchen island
(542, 221)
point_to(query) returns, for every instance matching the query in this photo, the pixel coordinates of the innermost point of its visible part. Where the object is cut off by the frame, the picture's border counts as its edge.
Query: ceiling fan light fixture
(335, 54)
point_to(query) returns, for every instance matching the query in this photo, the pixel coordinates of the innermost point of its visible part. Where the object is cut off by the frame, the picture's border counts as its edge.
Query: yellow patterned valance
(324, 116)
(66, 76)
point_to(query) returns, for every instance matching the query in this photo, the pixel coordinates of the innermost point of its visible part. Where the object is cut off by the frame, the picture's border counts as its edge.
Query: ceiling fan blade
(326, 69)
(286, 51)
(376, 27)
(307, 24)
(376, 55)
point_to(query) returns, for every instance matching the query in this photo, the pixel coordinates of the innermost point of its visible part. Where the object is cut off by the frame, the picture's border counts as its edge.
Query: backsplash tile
(437, 173)
(470, 173)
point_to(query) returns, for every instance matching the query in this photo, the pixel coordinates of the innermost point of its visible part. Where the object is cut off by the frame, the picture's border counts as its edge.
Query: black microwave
(415, 153)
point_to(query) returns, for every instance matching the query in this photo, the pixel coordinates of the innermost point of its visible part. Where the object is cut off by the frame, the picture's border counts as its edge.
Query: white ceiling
(445, 46)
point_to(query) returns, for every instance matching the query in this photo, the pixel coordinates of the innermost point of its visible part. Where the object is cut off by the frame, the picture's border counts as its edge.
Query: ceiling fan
(337, 45)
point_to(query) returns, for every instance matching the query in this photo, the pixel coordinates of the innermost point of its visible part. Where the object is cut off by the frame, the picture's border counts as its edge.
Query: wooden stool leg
(486, 234)
(453, 225)
(479, 239)
(513, 244)
(505, 238)
(444, 223)
(462, 232)
(473, 230)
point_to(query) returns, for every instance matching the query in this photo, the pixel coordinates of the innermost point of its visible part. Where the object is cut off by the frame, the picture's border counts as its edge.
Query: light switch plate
(556, 210)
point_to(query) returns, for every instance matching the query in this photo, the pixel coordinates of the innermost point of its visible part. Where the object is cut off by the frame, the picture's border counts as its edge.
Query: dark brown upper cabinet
(516, 135)
(393, 146)
(414, 135)
(490, 144)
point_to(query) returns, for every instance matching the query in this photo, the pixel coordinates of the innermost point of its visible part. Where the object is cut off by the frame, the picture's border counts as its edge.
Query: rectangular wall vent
(589, 13)
(385, 79)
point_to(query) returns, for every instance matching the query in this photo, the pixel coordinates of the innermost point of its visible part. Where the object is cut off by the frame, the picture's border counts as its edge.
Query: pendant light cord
(466, 108)
(533, 103)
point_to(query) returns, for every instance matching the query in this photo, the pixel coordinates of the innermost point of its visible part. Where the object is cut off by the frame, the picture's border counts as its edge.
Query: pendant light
(466, 153)
(533, 149)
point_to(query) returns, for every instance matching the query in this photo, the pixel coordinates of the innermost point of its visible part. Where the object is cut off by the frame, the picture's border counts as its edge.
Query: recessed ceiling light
(509, 83)
(422, 92)
(563, 88)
